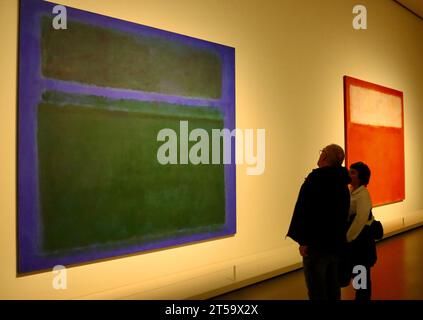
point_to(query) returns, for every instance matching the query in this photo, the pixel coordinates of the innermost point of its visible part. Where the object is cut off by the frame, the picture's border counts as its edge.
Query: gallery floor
(398, 275)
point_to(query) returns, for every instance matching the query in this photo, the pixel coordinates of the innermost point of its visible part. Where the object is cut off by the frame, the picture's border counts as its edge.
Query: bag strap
(370, 215)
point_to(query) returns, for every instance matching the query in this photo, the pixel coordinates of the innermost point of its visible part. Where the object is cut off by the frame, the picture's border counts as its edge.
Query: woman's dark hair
(363, 172)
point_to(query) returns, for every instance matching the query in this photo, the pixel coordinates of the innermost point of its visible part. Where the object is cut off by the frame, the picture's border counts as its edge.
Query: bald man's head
(331, 156)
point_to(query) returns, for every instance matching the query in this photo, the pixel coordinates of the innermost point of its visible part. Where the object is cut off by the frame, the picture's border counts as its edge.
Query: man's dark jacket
(321, 212)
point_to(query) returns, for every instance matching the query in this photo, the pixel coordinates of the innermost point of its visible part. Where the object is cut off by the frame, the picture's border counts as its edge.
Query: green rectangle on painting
(109, 58)
(100, 182)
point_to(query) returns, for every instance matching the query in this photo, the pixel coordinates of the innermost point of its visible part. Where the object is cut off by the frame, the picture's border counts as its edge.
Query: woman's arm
(364, 204)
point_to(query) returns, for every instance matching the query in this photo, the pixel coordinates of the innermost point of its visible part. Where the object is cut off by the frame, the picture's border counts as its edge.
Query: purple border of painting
(31, 86)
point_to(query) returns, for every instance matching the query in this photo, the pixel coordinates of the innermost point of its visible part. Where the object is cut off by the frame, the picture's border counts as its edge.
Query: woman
(362, 246)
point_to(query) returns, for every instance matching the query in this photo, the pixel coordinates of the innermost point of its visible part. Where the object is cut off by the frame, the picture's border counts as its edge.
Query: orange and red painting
(374, 134)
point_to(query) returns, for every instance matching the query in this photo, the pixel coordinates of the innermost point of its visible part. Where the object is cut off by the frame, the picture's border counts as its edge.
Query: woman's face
(355, 181)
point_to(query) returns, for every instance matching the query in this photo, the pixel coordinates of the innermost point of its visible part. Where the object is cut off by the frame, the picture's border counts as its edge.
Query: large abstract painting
(374, 130)
(92, 100)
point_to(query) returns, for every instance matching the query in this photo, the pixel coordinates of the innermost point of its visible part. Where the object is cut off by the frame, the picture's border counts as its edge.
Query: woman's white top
(360, 206)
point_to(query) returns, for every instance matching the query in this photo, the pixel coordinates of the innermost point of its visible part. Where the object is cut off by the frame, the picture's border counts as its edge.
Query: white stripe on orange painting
(374, 108)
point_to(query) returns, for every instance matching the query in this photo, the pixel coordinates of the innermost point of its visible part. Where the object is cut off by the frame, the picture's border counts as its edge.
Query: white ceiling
(413, 5)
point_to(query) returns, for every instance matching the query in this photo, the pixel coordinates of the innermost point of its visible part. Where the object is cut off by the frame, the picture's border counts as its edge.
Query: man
(319, 223)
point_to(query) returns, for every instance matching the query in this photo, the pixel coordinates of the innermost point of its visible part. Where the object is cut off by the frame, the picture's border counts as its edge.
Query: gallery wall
(291, 57)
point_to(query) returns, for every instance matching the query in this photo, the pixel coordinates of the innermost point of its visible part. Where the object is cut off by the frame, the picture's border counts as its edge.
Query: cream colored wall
(290, 60)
